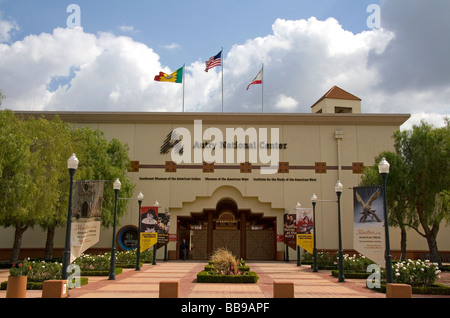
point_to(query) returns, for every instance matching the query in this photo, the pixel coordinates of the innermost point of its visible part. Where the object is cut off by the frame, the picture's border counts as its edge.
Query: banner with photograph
(162, 228)
(368, 223)
(305, 228)
(149, 226)
(87, 197)
(290, 231)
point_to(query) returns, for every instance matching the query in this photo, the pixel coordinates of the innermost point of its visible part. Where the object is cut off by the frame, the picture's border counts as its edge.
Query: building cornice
(219, 118)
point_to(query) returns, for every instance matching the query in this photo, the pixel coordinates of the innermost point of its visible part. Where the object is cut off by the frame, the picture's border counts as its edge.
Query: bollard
(169, 289)
(398, 291)
(54, 289)
(283, 289)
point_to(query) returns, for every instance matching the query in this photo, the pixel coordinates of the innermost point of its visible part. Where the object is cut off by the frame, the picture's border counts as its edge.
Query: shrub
(243, 277)
(356, 263)
(224, 262)
(42, 271)
(323, 259)
(20, 269)
(87, 262)
(416, 273)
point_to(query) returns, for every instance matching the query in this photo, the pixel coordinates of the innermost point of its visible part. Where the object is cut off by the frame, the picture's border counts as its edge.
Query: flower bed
(39, 271)
(421, 275)
(224, 268)
(211, 277)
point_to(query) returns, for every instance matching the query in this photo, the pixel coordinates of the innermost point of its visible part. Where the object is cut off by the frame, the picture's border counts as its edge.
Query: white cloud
(172, 46)
(302, 60)
(7, 27)
(434, 119)
(126, 28)
(286, 103)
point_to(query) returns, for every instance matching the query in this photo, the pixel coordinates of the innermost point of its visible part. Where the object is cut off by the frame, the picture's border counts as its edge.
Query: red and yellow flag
(175, 77)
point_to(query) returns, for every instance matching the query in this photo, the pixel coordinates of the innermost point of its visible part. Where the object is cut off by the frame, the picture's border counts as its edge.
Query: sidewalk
(145, 283)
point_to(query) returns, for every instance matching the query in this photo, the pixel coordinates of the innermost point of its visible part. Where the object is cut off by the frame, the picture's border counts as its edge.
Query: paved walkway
(145, 283)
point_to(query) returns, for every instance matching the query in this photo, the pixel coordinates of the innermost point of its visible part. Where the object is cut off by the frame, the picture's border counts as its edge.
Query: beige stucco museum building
(232, 202)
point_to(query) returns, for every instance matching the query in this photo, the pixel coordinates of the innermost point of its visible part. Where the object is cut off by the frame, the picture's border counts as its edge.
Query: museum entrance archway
(247, 234)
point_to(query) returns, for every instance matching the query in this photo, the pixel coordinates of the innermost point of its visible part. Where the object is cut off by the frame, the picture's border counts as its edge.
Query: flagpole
(262, 88)
(183, 86)
(222, 76)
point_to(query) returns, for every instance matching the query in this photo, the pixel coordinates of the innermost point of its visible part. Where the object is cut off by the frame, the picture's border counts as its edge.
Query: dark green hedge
(38, 285)
(117, 271)
(356, 275)
(208, 277)
(244, 268)
(436, 289)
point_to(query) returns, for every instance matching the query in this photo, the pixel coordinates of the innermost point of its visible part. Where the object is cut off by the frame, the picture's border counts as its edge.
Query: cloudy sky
(103, 55)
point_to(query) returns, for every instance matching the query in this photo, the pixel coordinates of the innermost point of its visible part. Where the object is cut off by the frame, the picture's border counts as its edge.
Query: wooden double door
(258, 244)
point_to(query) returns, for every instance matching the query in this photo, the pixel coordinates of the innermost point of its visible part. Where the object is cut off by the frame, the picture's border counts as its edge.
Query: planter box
(17, 287)
(207, 277)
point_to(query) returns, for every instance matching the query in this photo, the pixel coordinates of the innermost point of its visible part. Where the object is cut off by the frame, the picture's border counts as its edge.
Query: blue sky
(306, 48)
(192, 29)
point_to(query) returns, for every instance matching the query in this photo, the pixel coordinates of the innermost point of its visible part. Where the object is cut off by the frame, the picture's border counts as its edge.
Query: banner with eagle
(368, 223)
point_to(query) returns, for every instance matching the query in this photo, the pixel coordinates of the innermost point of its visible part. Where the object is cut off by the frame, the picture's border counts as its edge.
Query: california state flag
(258, 79)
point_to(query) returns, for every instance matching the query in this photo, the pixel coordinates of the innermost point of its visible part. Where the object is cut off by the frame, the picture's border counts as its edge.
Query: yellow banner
(148, 239)
(306, 241)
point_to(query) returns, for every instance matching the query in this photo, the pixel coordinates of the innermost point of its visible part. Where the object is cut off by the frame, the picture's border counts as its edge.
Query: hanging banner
(162, 228)
(149, 225)
(87, 197)
(149, 218)
(368, 223)
(305, 228)
(148, 239)
(289, 230)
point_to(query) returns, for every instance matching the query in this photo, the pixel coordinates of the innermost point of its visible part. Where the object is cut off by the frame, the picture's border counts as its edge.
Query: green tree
(34, 179)
(101, 159)
(425, 153)
(418, 183)
(50, 147)
(16, 182)
(396, 196)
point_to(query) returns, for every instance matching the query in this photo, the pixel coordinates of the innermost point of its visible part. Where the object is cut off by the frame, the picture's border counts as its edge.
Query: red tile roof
(337, 93)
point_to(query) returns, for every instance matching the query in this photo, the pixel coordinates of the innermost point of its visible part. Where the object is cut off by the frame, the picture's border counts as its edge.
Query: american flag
(214, 61)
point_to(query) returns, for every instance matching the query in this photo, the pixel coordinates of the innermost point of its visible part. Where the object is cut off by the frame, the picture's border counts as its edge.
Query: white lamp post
(338, 189)
(383, 169)
(72, 166)
(314, 201)
(140, 198)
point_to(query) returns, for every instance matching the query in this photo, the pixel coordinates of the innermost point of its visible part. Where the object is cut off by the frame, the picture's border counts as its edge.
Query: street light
(112, 274)
(154, 246)
(338, 189)
(383, 169)
(72, 165)
(314, 201)
(140, 197)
